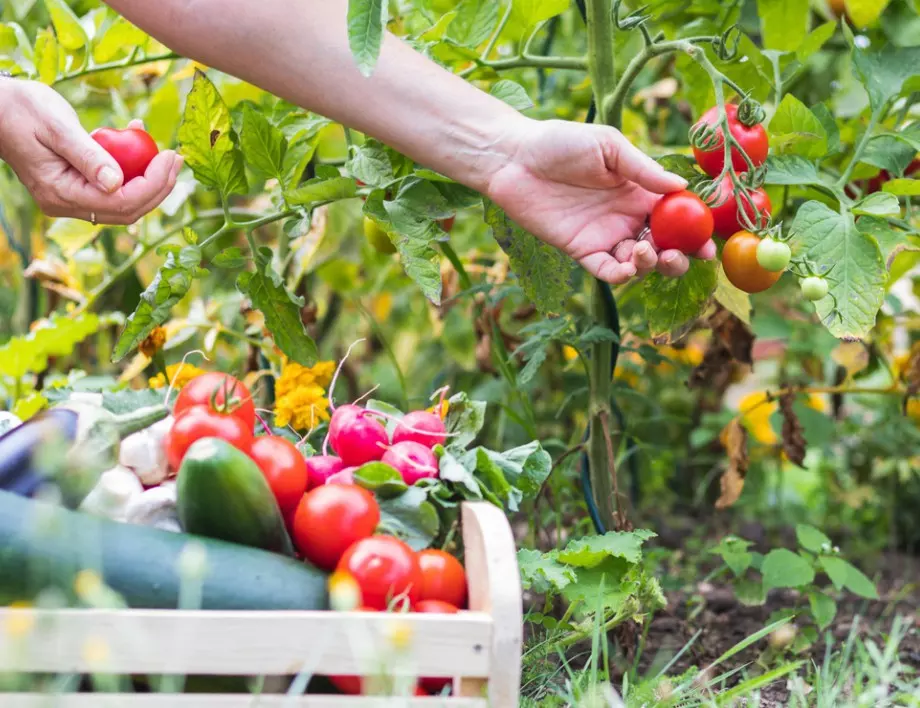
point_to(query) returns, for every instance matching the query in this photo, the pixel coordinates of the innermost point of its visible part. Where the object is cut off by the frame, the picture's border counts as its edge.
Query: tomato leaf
(366, 21)
(793, 170)
(319, 190)
(885, 71)
(783, 568)
(281, 310)
(878, 204)
(72, 234)
(903, 187)
(46, 56)
(512, 93)
(119, 39)
(735, 301)
(816, 39)
(67, 27)
(230, 258)
(784, 23)
(474, 22)
(55, 337)
(543, 272)
(671, 304)
(371, 164)
(205, 139)
(527, 13)
(264, 145)
(795, 130)
(863, 13)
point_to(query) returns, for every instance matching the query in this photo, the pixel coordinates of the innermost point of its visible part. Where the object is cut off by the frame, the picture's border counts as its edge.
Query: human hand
(586, 190)
(67, 172)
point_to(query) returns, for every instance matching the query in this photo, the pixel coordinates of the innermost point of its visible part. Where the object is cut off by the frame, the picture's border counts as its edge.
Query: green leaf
(792, 170)
(67, 27)
(795, 130)
(829, 123)
(129, 400)
(683, 166)
(784, 569)
(879, 204)
(816, 39)
(453, 470)
(593, 550)
(465, 418)
(735, 553)
(29, 405)
(823, 609)
(296, 158)
(46, 56)
(411, 517)
(542, 573)
(857, 272)
(119, 38)
(282, 313)
(856, 581)
(543, 272)
(528, 13)
(381, 479)
(371, 164)
(671, 304)
(811, 539)
(889, 152)
(230, 258)
(263, 144)
(525, 467)
(784, 23)
(903, 188)
(319, 190)
(512, 93)
(71, 235)
(190, 257)
(837, 570)
(366, 21)
(750, 593)
(169, 286)
(474, 22)
(205, 139)
(885, 71)
(891, 241)
(494, 484)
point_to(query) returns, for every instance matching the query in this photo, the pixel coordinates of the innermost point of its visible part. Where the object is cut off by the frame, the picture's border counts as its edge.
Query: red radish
(412, 460)
(356, 435)
(345, 476)
(421, 427)
(320, 468)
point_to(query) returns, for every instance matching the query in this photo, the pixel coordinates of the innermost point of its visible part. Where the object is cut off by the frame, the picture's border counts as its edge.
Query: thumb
(88, 157)
(626, 160)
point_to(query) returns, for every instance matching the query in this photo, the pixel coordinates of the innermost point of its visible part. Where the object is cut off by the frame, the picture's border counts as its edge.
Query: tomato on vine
(132, 148)
(726, 216)
(221, 392)
(815, 288)
(773, 255)
(203, 422)
(739, 261)
(682, 221)
(752, 139)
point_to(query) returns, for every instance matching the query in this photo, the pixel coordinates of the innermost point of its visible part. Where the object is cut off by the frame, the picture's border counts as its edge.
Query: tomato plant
(752, 141)
(199, 422)
(773, 255)
(682, 221)
(132, 148)
(385, 568)
(330, 519)
(726, 214)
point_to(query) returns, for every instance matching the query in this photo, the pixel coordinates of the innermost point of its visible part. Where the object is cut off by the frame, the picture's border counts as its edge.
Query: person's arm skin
(65, 170)
(584, 189)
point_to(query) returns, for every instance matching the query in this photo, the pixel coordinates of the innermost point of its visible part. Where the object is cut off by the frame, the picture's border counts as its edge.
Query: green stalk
(600, 56)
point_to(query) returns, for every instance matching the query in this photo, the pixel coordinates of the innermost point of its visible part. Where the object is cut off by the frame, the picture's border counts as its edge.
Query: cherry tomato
(739, 261)
(773, 255)
(876, 183)
(377, 237)
(222, 392)
(385, 569)
(132, 148)
(725, 215)
(330, 519)
(284, 467)
(432, 685)
(202, 422)
(753, 140)
(815, 288)
(681, 220)
(443, 577)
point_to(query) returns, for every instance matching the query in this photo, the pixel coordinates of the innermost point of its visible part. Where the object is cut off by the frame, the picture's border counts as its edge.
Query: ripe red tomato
(443, 577)
(132, 148)
(384, 567)
(284, 468)
(753, 141)
(681, 220)
(222, 392)
(201, 422)
(725, 216)
(330, 519)
(739, 261)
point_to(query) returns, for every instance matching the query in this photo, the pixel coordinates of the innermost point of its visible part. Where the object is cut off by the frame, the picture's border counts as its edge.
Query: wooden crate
(480, 648)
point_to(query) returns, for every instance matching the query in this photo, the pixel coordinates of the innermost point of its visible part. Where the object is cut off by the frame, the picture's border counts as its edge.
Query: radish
(320, 468)
(413, 460)
(356, 435)
(344, 476)
(421, 427)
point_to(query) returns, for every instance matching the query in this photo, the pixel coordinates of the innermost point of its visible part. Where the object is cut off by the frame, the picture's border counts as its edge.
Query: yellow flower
(294, 376)
(176, 374)
(303, 407)
(570, 353)
(755, 414)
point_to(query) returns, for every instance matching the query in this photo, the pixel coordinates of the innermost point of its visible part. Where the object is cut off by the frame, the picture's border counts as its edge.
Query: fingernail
(668, 259)
(642, 249)
(108, 179)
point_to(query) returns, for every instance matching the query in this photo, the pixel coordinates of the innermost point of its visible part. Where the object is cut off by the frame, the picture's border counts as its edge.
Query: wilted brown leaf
(793, 438)
(736, 336)
(734, 438)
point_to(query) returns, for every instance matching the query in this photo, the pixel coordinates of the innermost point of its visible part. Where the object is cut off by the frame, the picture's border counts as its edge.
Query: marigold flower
(293, 376)
(176, 374)
(302, 407)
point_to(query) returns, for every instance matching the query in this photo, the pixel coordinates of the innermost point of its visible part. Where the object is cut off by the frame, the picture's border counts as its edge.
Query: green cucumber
(44, 546)
(222, 493)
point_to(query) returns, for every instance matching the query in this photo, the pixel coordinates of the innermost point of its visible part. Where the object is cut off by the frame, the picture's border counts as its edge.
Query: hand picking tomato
(202, 422)
(320, 468)
(356, 435)
(284, 467)
(725, 215)
(435, 686)
(421, 427)
(681, 220)
(739, 261)
(753, 140)
(385, 569)
(443, 578)
(330, 519)
(223, 393)
(132, 148)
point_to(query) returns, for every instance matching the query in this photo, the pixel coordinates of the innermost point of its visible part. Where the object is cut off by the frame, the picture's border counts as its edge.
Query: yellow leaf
(852, 356)
(28, 406)
(120, 38)
(70, 33)
(46, 56)
(72, 234)
(864, 12)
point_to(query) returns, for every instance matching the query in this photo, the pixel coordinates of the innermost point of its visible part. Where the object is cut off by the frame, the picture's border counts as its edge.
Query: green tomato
(773, 255)
(377, 237)
(815, 288)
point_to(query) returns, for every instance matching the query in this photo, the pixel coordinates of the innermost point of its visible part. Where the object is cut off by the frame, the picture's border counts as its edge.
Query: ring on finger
(643, 236)
(92, 218)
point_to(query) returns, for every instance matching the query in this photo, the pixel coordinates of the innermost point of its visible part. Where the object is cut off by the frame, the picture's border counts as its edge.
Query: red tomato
(753, 141)
(725, 216)
(876, 183)
(432, 685)
(443, 577)
(739, 261)
(222, 392)
(132, 148)
(330, 519)
(202, 422)
(681, 220)
(384, 567)
(447, 224)
(284, 468)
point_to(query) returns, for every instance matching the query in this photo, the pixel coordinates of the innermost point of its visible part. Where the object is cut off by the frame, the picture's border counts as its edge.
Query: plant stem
(530, 61)
(860, 148)
(121, 64)
(600, 56)
(493, 40)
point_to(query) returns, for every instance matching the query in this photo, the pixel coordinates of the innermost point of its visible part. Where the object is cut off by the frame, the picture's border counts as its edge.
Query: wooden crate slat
(166, 700)
(246, 642)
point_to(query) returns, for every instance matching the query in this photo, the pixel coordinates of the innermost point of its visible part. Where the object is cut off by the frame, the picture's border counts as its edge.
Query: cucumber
(44, 546)
(222, 493)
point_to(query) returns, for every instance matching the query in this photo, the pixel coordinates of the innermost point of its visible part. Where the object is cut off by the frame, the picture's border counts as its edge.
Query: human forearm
(299, 50)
